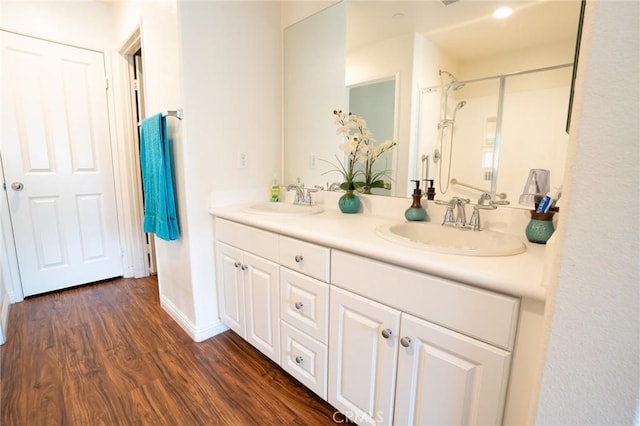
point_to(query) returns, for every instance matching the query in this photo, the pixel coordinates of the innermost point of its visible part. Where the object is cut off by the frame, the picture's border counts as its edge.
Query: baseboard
(4, 317)
(197, 334)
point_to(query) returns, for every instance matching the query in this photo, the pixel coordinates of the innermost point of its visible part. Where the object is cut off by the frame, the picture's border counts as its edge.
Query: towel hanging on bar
(160, 213)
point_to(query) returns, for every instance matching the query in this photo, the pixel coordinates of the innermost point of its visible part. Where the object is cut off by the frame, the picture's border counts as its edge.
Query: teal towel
(160, 215)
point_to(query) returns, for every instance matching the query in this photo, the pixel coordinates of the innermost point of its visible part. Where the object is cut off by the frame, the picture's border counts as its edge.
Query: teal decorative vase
(540, 227)
(349, 202)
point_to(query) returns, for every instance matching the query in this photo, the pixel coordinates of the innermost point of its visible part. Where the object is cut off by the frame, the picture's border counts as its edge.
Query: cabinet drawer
(485, 315)
(306, 258)
(304, 303)
(253, 240)
(305, 359)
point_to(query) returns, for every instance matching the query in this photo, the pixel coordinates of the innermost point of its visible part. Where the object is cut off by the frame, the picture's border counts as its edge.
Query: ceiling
(465, 29)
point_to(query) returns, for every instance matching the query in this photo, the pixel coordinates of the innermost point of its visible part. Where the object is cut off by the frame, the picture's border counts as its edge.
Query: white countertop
(517, 275)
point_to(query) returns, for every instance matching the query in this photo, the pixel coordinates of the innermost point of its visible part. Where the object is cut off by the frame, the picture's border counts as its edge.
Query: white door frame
(131, 185)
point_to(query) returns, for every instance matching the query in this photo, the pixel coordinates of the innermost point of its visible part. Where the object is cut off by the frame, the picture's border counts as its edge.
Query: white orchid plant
(359, 148)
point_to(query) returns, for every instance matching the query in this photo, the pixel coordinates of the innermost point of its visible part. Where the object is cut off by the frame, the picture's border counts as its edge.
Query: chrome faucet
(335, 186)
(303, 195)
(458, 219)
(299, 193)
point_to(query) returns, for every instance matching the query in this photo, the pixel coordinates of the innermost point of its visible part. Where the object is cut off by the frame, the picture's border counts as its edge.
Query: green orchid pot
(349, 202)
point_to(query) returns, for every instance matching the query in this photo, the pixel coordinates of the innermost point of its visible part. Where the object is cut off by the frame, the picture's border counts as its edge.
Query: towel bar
(171, 113)
(177, 113)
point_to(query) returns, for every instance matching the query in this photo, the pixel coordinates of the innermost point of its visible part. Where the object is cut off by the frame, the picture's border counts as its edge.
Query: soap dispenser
(416, 212)
(431, 191)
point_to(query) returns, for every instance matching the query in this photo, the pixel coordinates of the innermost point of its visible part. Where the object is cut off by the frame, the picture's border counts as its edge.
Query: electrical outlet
(242, 160)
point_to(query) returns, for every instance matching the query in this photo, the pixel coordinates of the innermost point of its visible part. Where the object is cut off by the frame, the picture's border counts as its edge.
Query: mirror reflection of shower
(446, 128)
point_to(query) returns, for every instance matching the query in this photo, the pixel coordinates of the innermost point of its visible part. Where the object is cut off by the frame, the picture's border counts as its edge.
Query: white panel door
(262, 301)
(363, 345)
(445, 378)
(57, 157)
(231, 288)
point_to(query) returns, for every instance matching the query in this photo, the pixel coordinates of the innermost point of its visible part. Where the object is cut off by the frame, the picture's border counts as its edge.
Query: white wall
(220, 63)
(158, 25)
(231, 72)
(591, 375)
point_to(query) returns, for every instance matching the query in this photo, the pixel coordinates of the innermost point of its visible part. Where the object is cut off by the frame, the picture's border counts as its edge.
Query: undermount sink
(443, 239)
(270, 208)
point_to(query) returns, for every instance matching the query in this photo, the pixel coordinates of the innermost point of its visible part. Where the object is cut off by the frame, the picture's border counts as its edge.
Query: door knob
(17, 186)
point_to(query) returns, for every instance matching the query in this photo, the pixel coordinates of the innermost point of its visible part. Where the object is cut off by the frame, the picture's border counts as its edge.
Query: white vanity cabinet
(249, 285)
(394, 357)
(381, 343)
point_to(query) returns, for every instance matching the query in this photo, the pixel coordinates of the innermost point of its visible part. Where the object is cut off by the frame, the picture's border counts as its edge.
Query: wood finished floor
(108, 354)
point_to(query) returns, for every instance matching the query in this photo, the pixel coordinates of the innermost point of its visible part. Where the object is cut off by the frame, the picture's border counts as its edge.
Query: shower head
(447, 73)
(460, 104)
(455, 84)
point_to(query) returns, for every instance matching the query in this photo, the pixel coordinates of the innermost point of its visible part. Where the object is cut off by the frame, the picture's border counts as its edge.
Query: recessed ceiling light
(502, 12)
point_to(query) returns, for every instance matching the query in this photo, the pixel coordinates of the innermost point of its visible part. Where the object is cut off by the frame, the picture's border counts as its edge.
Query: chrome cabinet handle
(237, 264)
(17, 186)
(298, 258)
(405, 341)
(386, 333)
(244, 267)
(299, 359)
(299, 305)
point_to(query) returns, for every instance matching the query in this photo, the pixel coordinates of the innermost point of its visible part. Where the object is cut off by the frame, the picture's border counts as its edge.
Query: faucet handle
(307, 195)
(474, 221)
(485, 202)
(448, 215)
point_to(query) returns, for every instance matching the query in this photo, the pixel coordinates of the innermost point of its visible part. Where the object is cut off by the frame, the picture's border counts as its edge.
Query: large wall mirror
(478, 101)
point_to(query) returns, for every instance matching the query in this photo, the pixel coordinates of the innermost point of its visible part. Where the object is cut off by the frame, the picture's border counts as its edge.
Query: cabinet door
(363, 348)
(231, 288)
(445, 378)
(262, 305)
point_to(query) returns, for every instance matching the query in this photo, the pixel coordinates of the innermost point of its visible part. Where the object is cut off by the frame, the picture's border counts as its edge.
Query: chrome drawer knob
(405, 341)
(237, 264)
(299, 305)
(299, 359)
(298, 258)
(386, 333)
(244, 267)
